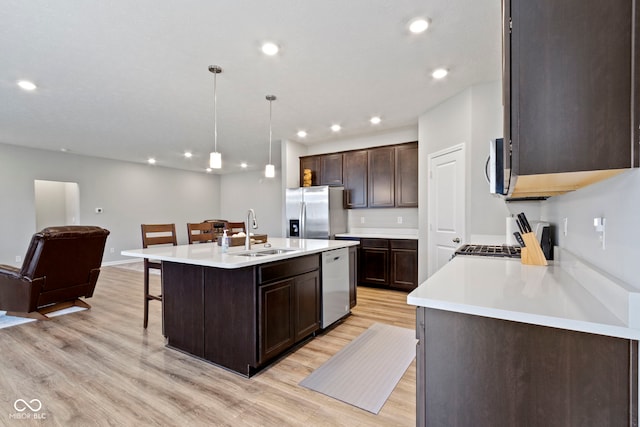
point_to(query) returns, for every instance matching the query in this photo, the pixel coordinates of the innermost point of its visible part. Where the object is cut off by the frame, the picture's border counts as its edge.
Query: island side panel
(230, 318)
(489, 372)
(183, 303)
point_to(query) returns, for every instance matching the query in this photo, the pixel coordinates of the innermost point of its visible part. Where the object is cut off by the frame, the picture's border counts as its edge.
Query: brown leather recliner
(61, 265)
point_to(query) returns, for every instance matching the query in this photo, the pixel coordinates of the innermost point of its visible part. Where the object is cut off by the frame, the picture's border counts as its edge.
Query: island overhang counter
(240, 310)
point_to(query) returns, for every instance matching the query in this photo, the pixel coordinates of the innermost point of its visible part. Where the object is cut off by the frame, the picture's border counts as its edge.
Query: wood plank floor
(100, 367)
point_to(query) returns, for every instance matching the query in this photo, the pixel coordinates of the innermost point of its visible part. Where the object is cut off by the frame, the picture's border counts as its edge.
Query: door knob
(456, 240)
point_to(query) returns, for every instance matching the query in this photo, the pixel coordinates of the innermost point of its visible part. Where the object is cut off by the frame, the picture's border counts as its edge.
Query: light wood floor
(99, 367)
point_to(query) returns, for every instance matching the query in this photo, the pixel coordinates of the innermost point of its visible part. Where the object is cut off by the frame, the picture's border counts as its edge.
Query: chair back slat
(158, 234)
(200, 232)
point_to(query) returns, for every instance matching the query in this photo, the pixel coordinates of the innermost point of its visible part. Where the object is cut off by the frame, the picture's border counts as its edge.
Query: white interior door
(446, 198)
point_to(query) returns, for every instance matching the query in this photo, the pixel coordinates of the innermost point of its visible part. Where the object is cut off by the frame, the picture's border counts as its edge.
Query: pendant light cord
(215, 113)
(270, 131)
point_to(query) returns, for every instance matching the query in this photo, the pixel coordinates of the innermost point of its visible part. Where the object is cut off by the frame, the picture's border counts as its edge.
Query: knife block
(532, 253)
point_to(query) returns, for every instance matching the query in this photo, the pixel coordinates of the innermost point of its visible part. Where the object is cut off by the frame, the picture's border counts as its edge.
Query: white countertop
(506, 289)
(210, 254)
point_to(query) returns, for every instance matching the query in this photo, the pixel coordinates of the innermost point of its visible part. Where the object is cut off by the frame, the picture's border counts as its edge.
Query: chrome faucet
(247, 240)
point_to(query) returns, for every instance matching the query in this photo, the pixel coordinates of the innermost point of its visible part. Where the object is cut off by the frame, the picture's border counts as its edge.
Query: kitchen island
(241, 309)
(503, 344)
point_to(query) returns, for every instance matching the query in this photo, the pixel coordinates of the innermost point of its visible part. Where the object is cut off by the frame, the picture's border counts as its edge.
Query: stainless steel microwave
(498, 167)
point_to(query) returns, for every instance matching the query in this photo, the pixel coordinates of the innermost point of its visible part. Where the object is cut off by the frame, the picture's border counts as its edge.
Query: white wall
(242, 191)
(129, 193)
(50, 203)
(618, 200)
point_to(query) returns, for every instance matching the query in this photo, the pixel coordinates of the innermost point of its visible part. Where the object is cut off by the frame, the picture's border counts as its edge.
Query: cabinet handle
(456, 240)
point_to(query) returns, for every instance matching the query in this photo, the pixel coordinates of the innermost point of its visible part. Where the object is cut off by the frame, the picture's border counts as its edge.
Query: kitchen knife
(519, 239)
(525, 224)
(519, 225)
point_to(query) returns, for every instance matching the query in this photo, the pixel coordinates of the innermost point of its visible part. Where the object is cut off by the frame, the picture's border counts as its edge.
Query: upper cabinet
(355, 181)
(381, 177)
(571, 91)
(313, 164)
(331, 169)
(407, 176)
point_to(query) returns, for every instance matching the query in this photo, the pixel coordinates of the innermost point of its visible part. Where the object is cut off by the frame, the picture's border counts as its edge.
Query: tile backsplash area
(383, 218)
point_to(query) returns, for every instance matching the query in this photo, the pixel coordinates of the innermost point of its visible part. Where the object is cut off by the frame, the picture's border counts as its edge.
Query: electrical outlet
(399, 220)
(565, 226)
(18, 258)
(112, 250)
(361, 220)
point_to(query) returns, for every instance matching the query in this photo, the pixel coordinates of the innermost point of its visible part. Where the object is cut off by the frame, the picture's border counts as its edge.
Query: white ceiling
(128, 80)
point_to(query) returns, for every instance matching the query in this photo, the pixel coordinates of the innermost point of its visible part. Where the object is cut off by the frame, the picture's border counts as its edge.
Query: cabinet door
(312, 163)
(307, 305)
(331, 169)
(382, 177)
(355, 179)
(571, 86)
(407, 176)
(276, 329)
(374, 262)
(404, 264)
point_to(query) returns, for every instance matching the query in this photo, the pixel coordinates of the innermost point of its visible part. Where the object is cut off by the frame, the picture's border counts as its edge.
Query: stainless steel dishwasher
(335, 285)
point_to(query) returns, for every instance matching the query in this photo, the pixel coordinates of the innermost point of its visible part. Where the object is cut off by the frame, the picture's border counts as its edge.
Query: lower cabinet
(474, 370)
(241, 318)
(289, 311)
(391, 263)
(353, 276)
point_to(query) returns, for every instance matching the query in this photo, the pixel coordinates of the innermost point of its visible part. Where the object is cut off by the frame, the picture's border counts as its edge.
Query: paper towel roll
(511, 227)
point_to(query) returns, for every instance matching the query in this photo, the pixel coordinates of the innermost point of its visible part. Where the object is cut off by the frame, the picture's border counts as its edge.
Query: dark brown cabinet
(389, 263)
(355, 179)
(241, 318)
(406, 179)
(331, 169)
(313, 164)
(374, 262)
(381, 171)
(289, 311)
(474, 370)
(404, 264)
(383, 177)
(571, 100)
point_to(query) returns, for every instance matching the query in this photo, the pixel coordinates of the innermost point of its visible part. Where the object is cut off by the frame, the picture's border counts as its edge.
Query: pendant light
(215, 158)
(270, 169)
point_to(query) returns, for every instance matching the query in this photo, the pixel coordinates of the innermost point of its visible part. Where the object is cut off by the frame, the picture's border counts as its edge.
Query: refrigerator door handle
(303, 215)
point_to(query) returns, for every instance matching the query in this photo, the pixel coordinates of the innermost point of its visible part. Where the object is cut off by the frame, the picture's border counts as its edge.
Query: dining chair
(155, 234)
(201, 232)
(235, 227)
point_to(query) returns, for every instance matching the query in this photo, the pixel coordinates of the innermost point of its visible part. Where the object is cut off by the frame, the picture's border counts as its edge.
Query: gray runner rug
(365, 371)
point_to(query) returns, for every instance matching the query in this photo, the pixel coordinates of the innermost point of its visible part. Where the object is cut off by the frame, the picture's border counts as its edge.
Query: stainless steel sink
(263, 252)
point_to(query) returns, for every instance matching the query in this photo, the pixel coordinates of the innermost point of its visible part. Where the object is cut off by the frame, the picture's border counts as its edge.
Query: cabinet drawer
(375, 243)
(404, 244)
(288, 268)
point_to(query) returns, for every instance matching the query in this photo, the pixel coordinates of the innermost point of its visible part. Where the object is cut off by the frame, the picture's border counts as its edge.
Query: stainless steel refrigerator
(315, 212)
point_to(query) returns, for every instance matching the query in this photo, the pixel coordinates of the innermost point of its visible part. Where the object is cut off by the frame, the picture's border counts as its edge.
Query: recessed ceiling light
(188, 154)
(336, 128)
(64, 150)
(270, 48)
(375, 120)
(208, 170)
(440, 73)
(243, 165)
(151, 161)
(418, 25)
(302, 134)
(27, 85)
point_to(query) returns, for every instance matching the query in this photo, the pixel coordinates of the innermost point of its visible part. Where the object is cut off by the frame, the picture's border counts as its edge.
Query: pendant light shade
(270, 169)
(215, 158)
